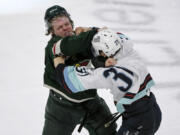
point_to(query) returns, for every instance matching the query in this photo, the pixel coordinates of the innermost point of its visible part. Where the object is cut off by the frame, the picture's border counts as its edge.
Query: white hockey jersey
(128, 80)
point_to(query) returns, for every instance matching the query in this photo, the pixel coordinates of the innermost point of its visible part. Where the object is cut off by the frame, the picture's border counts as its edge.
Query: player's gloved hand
(98, 61)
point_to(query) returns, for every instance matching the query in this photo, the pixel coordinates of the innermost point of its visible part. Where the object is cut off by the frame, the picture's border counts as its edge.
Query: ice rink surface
(154, 26)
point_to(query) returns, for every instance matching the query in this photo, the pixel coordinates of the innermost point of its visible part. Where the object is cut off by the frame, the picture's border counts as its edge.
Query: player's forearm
(78, 43)
(72, 45)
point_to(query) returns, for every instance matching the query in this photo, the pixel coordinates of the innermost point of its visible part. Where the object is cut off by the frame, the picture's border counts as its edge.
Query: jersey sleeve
(72, 45)
(77, 79)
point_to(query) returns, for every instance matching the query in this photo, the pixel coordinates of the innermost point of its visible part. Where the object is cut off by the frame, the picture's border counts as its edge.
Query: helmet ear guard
(106, 41)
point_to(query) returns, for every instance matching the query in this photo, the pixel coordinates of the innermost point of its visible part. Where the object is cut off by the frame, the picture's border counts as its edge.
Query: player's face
(62, 26)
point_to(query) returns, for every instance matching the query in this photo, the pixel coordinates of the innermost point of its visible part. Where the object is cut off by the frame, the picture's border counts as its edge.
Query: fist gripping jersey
(128, 81)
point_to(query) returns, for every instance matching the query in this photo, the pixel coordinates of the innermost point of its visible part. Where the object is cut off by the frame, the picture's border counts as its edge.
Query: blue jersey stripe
(71, 80)
(68, 81)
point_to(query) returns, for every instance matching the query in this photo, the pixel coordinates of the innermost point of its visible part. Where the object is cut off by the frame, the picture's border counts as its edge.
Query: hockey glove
(98, 61)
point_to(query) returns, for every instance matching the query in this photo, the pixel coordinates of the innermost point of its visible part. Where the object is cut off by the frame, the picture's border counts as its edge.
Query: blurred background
(152, 25)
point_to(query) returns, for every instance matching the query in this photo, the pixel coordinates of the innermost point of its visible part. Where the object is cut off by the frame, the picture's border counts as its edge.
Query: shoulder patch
(81, 71)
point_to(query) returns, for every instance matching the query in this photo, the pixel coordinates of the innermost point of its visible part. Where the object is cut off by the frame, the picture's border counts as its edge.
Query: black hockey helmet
(55, 11)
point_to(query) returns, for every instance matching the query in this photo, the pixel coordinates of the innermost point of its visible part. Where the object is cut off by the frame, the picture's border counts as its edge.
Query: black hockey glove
(98, 61)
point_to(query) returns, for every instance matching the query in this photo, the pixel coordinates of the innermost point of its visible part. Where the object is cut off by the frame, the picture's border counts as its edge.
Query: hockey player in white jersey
(125, 75)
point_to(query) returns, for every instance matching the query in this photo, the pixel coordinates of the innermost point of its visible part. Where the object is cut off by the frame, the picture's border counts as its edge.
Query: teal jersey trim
(72, 80)
(68, 81)
(126, 101)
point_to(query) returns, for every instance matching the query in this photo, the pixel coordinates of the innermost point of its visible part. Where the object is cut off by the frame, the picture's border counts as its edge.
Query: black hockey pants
(142, 117)
(62, 116)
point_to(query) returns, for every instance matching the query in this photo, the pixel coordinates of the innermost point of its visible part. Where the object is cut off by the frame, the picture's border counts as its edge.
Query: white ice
(153, 25)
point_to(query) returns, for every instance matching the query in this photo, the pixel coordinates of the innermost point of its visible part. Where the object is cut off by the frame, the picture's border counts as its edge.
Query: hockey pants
(142, 118)
(62, 116)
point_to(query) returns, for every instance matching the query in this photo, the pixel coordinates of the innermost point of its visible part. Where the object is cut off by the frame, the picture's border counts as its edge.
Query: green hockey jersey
(78, 48)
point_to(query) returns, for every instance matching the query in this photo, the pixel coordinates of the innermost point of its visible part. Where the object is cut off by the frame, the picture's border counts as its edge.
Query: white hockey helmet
(106, 41)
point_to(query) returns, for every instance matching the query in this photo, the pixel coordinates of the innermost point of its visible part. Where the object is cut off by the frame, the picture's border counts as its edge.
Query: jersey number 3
(121, 76)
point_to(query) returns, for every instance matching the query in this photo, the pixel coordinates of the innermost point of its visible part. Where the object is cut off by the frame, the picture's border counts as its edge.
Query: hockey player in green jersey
(64, 111)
